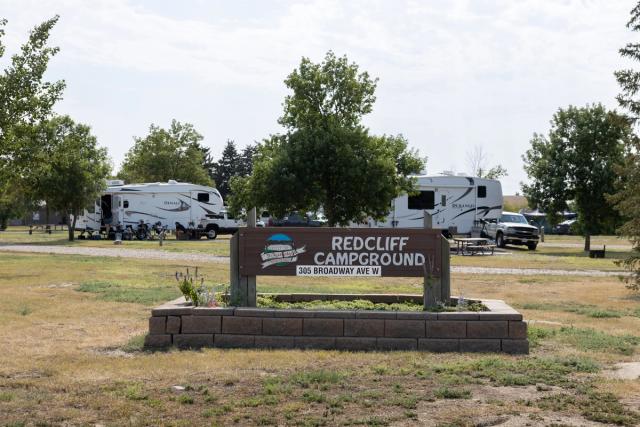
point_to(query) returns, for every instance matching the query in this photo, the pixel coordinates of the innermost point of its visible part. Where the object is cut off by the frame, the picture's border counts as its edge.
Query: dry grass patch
(75, 357)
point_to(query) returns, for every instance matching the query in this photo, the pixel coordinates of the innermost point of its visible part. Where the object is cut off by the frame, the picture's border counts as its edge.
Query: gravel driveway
(116, 252)
(195, 257)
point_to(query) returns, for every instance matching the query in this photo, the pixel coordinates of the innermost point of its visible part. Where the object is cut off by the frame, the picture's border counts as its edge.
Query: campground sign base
(339, 252)
(499, 329)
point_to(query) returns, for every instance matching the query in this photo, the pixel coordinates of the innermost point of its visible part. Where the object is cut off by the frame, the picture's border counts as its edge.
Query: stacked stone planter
(500, 329)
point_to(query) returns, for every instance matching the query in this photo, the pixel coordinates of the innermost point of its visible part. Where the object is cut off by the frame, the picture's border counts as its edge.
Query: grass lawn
(72, 328)
(545, 257)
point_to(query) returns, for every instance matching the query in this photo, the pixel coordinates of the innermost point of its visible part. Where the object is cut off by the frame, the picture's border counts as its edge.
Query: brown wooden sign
(293, 251)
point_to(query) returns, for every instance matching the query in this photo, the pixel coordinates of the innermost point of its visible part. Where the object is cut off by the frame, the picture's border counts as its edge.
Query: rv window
(203, 197)
(443, 200)
(422, 201)
(126, 204)
(482, 191)
(91, 209)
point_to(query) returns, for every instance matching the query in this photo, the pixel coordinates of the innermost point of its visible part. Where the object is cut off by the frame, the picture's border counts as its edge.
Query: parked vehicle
(456, 204)
(164, 203)
(221, 223)
(512, 228)
(296, 219)
(265, 219)
(565, 227)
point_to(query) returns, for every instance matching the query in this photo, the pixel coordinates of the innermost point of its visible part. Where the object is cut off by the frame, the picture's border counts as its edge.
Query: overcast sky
(453, 74)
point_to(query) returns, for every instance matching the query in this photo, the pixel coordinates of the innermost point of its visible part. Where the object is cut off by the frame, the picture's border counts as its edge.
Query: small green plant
(185, 399)
(6, 396)
(452, 393)
(194, 290)
(136, 343)
(135, 392)
(25, 310)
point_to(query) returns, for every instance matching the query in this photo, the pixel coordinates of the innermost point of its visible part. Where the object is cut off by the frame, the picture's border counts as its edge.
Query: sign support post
(251, 280)
(243, 288)
(431, 285)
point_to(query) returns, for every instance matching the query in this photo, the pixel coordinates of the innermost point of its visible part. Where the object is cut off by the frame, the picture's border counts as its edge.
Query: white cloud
(454, 74)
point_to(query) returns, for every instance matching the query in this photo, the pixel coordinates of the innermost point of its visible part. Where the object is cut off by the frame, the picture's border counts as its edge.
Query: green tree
(245, 166)
(165, 154)
(25, 100)
(207, 160)
(627, 197)
(72, 170)
(576, 163)
(24, 97)
(327, 159)
(226, 168)
(629, 79)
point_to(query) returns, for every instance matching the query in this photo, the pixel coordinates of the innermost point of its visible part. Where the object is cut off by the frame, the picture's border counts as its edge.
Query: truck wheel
(212, 233)
(532, 246)
(500, 240)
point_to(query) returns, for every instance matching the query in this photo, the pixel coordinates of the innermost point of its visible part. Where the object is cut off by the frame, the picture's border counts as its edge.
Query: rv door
(118, 210)
(106, 209)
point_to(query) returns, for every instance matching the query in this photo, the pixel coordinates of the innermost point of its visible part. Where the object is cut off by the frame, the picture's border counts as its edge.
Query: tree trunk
(587, 242)
(72, 227)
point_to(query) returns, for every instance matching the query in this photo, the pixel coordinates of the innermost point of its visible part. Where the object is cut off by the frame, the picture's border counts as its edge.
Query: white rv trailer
(166, 203)
(456, 203)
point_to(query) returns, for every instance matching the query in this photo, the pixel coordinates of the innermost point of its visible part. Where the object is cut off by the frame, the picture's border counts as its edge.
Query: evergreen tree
(245, 166)
(627, 198)
(227, 167)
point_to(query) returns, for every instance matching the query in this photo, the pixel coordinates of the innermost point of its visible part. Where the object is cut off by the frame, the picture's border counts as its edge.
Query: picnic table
(473, 245)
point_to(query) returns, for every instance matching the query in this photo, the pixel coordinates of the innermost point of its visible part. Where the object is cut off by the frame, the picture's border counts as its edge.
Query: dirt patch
(624, 371)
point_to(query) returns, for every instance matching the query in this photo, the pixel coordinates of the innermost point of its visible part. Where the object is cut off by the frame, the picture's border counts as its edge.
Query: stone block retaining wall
(501, 329)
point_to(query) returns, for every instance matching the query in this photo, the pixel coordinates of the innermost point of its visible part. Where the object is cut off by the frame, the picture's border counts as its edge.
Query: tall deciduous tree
(477, 161)
(327, 159)
(165, 154)
(576, 163)
(73, 169)
(25, 100)
(627, 198)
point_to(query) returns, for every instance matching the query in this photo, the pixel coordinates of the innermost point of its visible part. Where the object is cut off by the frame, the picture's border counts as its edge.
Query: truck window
(203, 197)
(422, 201)
(482, 191)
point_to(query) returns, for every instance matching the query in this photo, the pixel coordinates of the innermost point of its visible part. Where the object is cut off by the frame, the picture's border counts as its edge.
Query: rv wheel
(212, 233)
(500, 240)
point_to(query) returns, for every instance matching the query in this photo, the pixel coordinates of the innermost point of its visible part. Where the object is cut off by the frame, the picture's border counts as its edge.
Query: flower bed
(497, 329)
